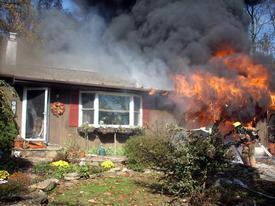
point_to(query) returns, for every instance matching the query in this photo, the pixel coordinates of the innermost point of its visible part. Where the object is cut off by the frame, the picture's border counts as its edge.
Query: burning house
(197, 52)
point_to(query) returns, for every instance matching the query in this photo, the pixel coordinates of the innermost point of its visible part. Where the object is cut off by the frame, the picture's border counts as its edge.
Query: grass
(116, 191)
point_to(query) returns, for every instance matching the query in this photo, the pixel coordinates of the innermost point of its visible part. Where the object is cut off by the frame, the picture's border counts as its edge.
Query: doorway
(35, 114)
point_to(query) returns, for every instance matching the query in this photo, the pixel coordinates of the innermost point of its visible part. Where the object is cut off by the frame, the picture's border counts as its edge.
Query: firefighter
(247, 140)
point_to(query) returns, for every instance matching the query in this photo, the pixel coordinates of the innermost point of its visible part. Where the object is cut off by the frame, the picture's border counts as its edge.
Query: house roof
(67, 76)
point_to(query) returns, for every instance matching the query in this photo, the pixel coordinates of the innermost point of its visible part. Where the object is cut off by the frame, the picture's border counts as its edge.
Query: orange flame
(272, 106)
(211, 95)
(224, 52)
(152, 92)
(272, 99)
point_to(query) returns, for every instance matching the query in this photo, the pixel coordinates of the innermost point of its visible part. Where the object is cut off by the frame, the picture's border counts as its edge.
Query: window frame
(96, 109)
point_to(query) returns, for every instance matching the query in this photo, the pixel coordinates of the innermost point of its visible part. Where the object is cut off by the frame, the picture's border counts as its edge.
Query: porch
(45, 153)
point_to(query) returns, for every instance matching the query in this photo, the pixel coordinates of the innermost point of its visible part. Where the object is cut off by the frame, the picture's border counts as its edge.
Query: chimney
(11, 50)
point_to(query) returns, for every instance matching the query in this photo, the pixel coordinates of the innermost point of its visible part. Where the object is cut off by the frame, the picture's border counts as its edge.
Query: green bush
(42, 168)
(8, 126)
(187, 160)
(59, 172)
(135, 156)
(83, 171)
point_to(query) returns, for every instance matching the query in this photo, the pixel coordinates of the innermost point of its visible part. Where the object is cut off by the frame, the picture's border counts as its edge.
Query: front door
(34, 118)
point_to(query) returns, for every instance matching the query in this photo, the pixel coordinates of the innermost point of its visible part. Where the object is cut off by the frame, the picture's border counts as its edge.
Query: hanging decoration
(57, 108)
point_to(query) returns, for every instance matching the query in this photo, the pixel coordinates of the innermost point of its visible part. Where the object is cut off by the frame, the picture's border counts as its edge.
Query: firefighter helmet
(237, 124)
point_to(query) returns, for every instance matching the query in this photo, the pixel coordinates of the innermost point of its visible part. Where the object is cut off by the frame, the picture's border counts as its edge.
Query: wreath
(57, 108)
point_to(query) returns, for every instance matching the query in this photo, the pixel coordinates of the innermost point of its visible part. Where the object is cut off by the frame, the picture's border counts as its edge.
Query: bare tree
(262, 26)
(17, 16)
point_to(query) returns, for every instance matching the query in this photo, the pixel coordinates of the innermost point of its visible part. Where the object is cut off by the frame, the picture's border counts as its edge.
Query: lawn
(118, 190)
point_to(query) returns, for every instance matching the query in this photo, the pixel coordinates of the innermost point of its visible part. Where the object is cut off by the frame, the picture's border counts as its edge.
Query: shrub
(135, 160)
(136, 148)
(8, 126)
(187, 160)
(42, 168)
(22, 178)
(58, 172)
(83, 171)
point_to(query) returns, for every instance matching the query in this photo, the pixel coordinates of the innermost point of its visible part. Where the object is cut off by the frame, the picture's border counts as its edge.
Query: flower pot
(82, 154)
(18, 144)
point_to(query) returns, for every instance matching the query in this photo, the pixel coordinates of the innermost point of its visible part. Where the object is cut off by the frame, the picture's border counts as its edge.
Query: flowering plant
(107, 164)
(4, 174)
(58, 108)
(60, 163)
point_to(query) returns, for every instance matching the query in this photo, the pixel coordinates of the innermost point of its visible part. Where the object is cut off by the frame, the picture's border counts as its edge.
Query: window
(137, 108)
(88, 107)
(110, 109)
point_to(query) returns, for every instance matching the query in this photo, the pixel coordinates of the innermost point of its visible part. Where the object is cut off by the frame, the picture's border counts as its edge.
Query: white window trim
(96, 109)
(24, 110)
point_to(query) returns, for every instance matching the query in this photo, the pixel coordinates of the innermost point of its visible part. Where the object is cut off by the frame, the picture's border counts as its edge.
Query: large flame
(272, 106)
(214, 96)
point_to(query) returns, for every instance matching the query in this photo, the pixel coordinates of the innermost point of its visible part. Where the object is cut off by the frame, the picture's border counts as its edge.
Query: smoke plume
(148, 41)
(144, 41)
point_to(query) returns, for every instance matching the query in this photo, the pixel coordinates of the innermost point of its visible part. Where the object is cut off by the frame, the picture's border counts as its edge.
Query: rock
(120, 173)
(72, 176)
(92, 201)
(38, 197)
(116, 169)
(147, 171)
(93, 176)
(126, 170)
(46, 185)
(96, 164)
(50, 187)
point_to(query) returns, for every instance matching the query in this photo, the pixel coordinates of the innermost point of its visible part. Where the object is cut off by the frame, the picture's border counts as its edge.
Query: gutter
(22, 79)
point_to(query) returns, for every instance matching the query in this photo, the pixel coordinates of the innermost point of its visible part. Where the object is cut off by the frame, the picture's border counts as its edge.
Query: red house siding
(146, 116)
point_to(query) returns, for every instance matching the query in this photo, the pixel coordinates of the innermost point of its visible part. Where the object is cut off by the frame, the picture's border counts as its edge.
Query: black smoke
(175, 29)
(148, 41)
(107, 8)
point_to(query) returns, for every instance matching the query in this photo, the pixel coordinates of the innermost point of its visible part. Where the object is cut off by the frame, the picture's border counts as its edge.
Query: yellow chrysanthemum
(4, 174)
(60, 163)
(107, 164)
